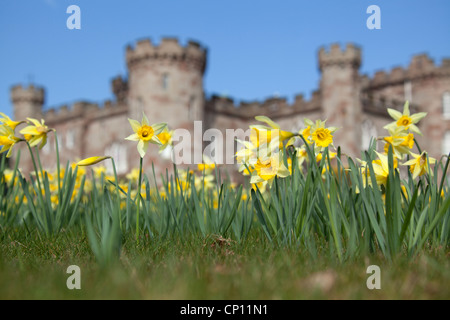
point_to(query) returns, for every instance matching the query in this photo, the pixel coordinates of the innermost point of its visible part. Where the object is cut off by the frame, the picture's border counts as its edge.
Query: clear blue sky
(256, 48)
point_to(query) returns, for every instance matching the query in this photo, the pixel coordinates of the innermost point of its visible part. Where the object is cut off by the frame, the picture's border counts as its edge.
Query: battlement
(273, 107)
(168, 49)
(83, 109)
(378, 105)
(30, 94)
(351, 55)
(120, 88)
(420, 66)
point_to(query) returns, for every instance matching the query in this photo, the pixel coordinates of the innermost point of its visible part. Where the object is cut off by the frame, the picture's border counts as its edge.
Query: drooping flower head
(145, 133)
(419, 165)
(36, 133)
(7, 139)
(260, 134)
(8, 122)
(267, 168)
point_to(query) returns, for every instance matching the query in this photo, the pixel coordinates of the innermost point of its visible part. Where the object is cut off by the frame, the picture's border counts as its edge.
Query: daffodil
(266, 169)
(91, 161)
(405, 119)
(381, 168)
(318, 133)
(260, 135)
(36, 133)
(207, 165)
(8, 122)
(165, 137)
(401, 141)
(145, 133)
(419, 165)
(7, 139)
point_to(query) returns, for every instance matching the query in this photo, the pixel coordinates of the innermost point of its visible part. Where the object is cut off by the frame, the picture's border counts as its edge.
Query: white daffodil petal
(394, 114)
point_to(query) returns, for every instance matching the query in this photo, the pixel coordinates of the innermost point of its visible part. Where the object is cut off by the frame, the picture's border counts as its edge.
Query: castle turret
(166, 82)
(27, 102)
(339, 92)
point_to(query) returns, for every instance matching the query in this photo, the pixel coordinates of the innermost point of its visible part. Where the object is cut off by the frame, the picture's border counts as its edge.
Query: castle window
(70, 139)
(191, 108)
(408, 91)
(118, 151)
(446, 105)
(165, 81)
(446, 143)
(369, 132)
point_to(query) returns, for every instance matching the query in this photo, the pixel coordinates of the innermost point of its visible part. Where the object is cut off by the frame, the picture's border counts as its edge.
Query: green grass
(209, 267)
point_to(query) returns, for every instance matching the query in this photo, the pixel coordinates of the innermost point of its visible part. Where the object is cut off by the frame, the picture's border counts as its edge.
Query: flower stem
(138, 199)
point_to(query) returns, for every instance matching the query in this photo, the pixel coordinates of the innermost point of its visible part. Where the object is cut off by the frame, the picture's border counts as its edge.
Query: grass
(209, 268)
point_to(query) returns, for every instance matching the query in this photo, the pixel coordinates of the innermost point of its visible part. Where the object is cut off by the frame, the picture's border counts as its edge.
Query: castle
(166, 82)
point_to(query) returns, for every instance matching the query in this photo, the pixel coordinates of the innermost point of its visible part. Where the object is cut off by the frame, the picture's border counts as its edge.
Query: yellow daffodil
(36, 133)
(306, 133)
(260, 134)
(405, 119)
(165, 137)
(419, 165)
(401, 141)
(322, 137)
(8, 122)
(91, 161)
(145, 133)
(301, 154)
(318, 133)
(267, 168)
(207, 165)
(133, 176)
(7, 139)
(381, 168)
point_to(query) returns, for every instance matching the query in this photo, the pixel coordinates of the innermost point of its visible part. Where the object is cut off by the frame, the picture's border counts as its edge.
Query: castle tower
(166, 82)
(27, 103)
(340, 95)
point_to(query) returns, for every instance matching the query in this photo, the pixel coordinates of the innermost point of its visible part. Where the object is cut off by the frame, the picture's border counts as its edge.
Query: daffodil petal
(394, 114)
(268, 121)
(142, 147)
(135, 125)
(133, 137)
(159, 127)
(418, 116)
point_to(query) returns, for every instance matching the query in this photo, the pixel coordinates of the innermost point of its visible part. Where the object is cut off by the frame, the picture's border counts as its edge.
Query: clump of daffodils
(401, 141)
(263, 157)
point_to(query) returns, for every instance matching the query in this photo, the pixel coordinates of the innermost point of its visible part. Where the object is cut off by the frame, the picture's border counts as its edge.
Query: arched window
(191, 109)
(446, 105)
(446, 143)
(118, 151)
(70, 139)
(165, 81)
(369, 131)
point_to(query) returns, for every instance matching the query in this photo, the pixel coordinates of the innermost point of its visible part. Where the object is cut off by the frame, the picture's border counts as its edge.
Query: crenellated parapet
(421, 66)
(273, 107)
(170, 50)
(83, 110)
(31, 94)
(119, 87)
(377, 105)
(350, 56)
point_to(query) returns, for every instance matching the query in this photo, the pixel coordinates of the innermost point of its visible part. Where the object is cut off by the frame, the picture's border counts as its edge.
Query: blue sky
(256, 49)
